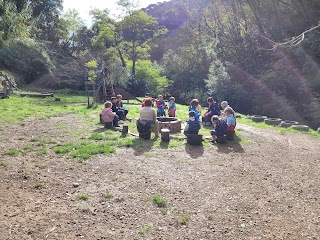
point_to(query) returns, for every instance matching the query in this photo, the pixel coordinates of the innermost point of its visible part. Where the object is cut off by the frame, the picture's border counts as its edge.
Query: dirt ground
(268, 188)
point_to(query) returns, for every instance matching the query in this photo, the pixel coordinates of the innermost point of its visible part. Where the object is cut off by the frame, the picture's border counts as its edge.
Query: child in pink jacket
(108, 117)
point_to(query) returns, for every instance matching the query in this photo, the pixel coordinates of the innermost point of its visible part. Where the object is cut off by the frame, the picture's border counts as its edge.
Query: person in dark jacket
(121, 107)
(116, 109)
(220, 127)
(213, 109)
(193, 125)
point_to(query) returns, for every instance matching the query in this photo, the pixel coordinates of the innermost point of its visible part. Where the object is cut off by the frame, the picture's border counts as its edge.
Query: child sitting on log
(116, 109)
(108, 117)
(195, 106)
(230, 119)
(172, 107)
(213, 109)
(161, 106)
(193, 125)
(121, 107)
(220, 127)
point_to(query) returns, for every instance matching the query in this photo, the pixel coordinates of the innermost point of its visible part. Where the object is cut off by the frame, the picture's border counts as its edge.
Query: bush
(27, 58)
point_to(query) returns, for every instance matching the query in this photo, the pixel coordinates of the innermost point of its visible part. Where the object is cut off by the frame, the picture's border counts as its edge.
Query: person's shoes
(121, 122)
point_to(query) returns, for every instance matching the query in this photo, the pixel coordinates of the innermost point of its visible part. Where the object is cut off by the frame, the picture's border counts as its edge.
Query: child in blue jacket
(161, 106)
(193, 125)
(195, 107)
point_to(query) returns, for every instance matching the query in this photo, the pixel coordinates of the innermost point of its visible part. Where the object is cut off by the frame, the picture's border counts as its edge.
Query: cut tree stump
(194, 139)
(125, 130)
(165, 135)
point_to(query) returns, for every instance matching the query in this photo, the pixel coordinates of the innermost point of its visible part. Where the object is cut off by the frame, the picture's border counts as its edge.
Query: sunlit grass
(84, 150)
(18, 109)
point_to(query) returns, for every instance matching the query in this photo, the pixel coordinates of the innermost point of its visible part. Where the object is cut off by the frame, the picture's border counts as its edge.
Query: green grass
(145, 229)
(39, 185)
(107, 195)
(184, 219)
(27, 148)
(12, 152)
(83, 197)
(84, 150)
(159, 201)
(3, 163)
(42, 151)
(17, 108)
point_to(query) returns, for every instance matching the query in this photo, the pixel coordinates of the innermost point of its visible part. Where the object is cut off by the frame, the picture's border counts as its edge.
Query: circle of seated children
(224, 122)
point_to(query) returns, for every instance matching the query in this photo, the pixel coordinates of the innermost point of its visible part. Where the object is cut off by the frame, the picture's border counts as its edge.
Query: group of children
(223, 122)
(222, 117)
(113, 112)
(162, 106)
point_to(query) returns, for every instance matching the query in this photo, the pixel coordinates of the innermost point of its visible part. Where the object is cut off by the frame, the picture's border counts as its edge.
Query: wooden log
(165, 135)
(194, 139)
(221, 139)
(108, 125)
(125, 129)
(39, 95)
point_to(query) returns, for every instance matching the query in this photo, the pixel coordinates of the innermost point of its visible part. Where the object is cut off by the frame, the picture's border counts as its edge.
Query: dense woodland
(243, 51)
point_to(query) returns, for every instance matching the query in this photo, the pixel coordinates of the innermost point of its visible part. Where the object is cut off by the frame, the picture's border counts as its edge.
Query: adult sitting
(148, 119)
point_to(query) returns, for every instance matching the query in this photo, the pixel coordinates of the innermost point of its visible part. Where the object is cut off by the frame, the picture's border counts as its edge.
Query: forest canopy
(227, 49)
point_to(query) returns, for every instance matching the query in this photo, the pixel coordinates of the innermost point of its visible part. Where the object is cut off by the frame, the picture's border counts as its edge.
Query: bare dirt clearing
(267, 188)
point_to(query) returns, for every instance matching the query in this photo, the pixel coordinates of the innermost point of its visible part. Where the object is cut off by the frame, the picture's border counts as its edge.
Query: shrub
(28, 58)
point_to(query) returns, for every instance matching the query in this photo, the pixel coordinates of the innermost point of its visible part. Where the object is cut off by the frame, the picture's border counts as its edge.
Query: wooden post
(125, 129)
(165, 135)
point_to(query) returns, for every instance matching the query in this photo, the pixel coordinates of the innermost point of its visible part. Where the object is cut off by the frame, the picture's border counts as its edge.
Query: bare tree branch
(293, 42)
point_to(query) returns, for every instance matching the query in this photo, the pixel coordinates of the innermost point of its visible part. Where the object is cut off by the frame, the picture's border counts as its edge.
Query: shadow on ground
(141, 146)
(231, 146)
(194, 151)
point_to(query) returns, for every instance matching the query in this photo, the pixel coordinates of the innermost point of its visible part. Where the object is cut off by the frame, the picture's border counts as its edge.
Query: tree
(137, 28)
(15, 23)
(75, 28)
(107, 36)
